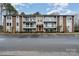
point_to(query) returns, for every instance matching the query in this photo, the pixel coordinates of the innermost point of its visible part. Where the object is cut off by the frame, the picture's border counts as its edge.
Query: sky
(47, 8)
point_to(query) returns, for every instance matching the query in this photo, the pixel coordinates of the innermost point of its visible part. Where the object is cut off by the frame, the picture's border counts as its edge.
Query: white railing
(29, 20)
(49, 20)
(54, 26)
(25, 26)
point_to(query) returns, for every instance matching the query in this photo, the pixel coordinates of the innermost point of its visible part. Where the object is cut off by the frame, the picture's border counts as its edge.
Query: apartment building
(38, 23)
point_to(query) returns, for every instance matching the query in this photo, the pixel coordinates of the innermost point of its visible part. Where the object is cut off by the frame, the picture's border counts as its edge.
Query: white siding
(50, 21)
(9, 28)
(61, 23)
(17, 25)
(39, 20)
(23, 25)
(69, 23)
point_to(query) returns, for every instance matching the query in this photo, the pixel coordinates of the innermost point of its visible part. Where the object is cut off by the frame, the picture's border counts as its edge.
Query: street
(39, 45)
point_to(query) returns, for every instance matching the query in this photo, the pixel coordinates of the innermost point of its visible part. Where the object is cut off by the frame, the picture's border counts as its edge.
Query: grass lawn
(74, 33)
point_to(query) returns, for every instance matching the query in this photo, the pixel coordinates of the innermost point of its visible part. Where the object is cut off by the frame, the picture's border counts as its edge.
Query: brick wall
(14, 24)
(64, 23)
(20, 23)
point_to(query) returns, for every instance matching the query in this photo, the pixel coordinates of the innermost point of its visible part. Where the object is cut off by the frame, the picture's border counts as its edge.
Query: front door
(39, 28)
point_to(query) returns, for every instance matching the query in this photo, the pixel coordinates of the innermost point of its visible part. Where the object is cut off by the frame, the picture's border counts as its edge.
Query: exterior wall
(73, 23)
(64, 23)
(4, 24)
(9, 27)
(24, 24)
(21, 23)
(14, 24)
(29, 23)
(39, 20)
(58, 27)
(17, 24)
(39, 23)
(33, 22)
(50, 23)
(61, 23)
(69, 23)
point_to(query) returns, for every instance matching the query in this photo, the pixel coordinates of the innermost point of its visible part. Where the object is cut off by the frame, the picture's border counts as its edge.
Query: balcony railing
(29, 21)
(54, 26)
(29, 26)
(52, 20)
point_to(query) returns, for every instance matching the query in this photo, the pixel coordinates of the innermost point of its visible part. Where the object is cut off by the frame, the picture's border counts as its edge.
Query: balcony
(29, 26)
(50, 20)
(54, 26)
(4, 8)
(29, 21)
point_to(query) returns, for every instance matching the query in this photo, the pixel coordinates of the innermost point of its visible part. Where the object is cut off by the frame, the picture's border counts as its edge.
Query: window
(27, 24)
(27, 19)
(38, 20)
(54, 16)
(30, 24)
(7, 24)
(30, 19)
(33, 18)
(17, 24)
(46, 24)
(70, 18)
(67, 26)
(8, 17)
(10, 24)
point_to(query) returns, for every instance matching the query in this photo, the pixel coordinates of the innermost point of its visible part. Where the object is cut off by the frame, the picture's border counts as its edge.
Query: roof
(12, 15)
(38, 15)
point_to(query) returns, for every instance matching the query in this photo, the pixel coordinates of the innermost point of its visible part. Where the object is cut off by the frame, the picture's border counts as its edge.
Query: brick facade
(64, 23)
(20, 23)
(14, 24)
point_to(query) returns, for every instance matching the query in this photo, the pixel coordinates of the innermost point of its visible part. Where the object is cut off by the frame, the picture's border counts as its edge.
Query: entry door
(40, 28)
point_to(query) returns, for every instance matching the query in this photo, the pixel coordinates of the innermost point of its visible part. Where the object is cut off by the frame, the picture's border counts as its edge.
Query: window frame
(7, 24)
(8, 17)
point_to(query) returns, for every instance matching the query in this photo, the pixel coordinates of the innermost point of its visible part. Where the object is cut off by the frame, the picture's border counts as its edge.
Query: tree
(76, 27)
(37, 13)
(6, 9)
(22, 13)
(2, 10)
(10, 9)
